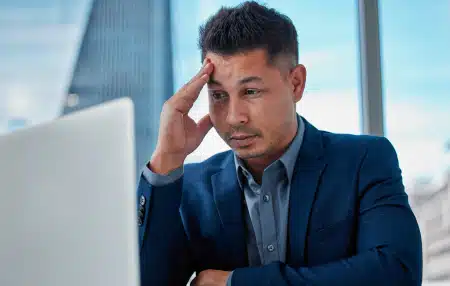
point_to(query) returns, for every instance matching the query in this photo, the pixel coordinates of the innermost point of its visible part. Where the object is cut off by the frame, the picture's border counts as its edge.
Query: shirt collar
(288, 159)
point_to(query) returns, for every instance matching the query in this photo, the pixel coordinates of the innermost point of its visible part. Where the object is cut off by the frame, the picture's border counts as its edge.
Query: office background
(379, 67)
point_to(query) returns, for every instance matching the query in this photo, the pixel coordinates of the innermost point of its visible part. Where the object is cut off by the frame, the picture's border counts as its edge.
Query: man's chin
(248, 153)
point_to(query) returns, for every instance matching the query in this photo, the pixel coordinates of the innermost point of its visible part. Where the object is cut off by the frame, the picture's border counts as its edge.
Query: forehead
(233, 67)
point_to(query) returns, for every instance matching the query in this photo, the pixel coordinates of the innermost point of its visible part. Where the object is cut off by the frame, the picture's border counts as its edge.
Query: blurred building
(126, 52)
(432, 209)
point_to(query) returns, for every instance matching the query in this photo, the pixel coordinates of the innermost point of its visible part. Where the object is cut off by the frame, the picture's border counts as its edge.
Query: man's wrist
(163, 164)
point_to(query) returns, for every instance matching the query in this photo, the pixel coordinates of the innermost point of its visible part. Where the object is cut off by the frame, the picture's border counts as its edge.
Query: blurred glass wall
(39, 42)
(126, 52)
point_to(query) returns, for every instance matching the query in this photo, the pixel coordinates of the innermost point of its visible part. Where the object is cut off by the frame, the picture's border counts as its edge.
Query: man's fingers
(195, 86)
(201, 72)
(197, 82)
(184, 99)
(204, 125)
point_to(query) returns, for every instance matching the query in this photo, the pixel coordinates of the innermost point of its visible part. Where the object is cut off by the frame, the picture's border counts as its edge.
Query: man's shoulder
(343, 139)
(353, 144)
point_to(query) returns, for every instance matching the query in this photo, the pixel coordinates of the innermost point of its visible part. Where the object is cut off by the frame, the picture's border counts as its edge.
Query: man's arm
(164, 252)
(389, 250)
(164, 249)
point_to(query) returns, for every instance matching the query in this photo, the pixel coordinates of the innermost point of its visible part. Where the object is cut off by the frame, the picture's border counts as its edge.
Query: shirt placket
(270, 250)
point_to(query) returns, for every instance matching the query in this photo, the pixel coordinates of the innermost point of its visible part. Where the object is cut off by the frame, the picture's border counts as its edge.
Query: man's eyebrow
(250, 79)
(213, 81)
(241, 81)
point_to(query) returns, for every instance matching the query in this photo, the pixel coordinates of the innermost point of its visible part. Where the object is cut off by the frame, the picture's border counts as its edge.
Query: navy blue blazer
(350, 222)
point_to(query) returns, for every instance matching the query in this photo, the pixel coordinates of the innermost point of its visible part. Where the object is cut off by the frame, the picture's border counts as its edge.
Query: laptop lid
(68, 200)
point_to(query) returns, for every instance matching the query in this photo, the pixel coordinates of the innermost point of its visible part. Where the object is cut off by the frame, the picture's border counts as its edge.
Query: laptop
(68, 201)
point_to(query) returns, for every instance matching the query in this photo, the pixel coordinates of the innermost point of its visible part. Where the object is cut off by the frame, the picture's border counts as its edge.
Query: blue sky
(39, 41)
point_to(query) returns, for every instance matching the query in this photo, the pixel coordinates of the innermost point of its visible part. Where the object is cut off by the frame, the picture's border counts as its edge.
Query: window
(39, 42)
(416, 69)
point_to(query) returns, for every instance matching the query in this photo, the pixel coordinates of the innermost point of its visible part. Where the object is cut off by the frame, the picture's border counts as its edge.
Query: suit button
(142, 200)
(141, 212)
(270, 248)
(141, 215)
(266, 198)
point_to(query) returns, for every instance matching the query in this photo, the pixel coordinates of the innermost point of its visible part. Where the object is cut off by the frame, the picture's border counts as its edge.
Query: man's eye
(252, 91)
(217, 95)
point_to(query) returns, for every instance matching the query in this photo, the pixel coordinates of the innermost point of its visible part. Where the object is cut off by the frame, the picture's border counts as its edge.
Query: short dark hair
(246, 27)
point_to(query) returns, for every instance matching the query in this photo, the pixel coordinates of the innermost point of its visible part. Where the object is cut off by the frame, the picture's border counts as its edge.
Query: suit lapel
(228, 197)
(308, 170)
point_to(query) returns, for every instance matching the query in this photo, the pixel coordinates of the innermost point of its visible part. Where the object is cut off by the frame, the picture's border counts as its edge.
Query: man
(290, 204)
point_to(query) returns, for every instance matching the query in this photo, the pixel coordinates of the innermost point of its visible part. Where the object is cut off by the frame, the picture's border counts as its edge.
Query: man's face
(252, 103)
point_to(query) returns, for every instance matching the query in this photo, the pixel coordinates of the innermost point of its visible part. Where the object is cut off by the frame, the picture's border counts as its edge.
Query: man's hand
(211, 278)
(179, 135)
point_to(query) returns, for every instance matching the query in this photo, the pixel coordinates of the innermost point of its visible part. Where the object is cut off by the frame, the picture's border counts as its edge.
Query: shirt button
(270, 248)
(266, 198)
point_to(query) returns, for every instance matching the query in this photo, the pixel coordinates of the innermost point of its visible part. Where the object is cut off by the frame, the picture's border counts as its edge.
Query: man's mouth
(241, 140)
(240, 136)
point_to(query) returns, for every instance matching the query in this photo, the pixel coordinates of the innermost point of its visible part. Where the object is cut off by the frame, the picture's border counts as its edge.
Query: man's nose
(237, 112)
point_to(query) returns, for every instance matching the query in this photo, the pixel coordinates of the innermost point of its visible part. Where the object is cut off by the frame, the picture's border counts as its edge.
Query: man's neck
(256, 166)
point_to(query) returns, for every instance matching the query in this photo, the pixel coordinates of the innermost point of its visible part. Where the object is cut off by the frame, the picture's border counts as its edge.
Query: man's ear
(298, 80)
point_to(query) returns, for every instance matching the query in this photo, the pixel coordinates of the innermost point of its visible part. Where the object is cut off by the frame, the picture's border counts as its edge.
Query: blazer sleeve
(163, 244)
(389, 247)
